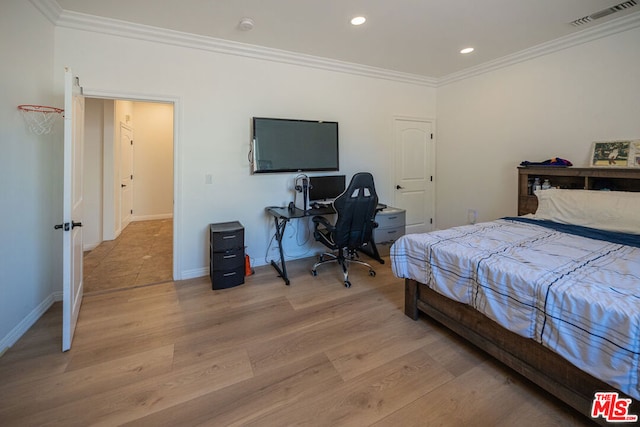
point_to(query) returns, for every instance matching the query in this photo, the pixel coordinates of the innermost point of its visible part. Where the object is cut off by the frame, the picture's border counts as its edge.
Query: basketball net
(39, 119)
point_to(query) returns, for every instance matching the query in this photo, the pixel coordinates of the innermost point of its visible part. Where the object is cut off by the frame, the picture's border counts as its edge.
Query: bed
(555, 295)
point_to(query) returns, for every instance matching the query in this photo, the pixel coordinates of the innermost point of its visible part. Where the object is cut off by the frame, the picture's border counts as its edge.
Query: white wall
(153, 160)
(28, 207)
(555, 105)
(92, 185)
(216, 96)
(110, 188)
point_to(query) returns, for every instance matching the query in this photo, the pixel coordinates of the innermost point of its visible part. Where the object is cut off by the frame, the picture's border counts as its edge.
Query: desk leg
(282, 272)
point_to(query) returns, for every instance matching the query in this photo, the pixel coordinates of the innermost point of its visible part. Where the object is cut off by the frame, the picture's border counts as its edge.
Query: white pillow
(604, 210)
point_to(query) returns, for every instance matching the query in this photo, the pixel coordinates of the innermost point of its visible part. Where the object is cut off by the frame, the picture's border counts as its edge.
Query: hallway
(141, 255)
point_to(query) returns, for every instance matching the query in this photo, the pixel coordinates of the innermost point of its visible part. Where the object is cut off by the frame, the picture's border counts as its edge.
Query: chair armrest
(320, 220)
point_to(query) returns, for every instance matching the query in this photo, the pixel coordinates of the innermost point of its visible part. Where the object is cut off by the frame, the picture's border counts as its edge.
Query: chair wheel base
(347, 284)
(314, 273)
(372, 273)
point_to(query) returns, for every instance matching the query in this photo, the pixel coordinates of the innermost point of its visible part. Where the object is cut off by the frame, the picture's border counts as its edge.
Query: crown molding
(91, 23)
(49, 8)
(609, 28)
(79, 21)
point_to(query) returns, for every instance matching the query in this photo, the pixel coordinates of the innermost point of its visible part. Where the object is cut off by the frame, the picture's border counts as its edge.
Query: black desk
(282, 216)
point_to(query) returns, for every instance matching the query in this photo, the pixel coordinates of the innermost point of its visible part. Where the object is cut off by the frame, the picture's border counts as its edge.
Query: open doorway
(129, 184)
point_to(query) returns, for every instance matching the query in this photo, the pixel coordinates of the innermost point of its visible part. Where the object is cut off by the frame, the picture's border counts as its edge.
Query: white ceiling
(420, 37)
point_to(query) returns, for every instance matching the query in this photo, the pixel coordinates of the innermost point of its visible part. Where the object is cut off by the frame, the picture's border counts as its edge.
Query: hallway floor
(141, 255)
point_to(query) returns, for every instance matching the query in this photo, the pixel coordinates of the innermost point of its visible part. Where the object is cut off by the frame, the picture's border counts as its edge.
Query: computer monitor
(326, 187)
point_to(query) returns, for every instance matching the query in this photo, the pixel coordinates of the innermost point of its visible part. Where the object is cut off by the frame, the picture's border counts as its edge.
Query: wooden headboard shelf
(615, 179)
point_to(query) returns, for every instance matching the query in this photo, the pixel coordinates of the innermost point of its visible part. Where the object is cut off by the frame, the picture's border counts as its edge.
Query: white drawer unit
(391, 225)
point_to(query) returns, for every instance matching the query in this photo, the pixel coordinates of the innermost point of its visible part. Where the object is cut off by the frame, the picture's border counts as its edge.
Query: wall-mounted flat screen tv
(286, 145)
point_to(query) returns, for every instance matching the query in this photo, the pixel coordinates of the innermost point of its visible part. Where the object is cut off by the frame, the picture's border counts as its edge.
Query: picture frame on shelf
(634, 154)
(620, 153)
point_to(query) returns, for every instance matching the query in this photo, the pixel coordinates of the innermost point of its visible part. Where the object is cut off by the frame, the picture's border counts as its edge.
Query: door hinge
(431, 178)
(430, 220)
(431, 136)
(131, 211)
(132, 140)
(132, 177)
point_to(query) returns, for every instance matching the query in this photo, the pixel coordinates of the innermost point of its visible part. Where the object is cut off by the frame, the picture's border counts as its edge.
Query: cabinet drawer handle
(228, 256)
(229, 274)
(229, 237)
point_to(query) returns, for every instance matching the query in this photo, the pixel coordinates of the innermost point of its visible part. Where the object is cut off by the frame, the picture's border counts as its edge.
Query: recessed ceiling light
(467, 50)
(358, 20)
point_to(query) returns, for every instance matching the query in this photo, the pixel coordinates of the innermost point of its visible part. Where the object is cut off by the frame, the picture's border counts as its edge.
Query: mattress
(572, 289)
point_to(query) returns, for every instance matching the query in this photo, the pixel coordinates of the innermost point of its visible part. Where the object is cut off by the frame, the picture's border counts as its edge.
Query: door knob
(123, 185)
(399, 187)
(75, 224)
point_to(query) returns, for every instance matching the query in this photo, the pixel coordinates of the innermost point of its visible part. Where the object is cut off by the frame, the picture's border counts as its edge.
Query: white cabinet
(391, 225)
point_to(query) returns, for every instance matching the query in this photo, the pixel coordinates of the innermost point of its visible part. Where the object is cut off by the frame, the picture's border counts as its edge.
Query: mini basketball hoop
(39, 118)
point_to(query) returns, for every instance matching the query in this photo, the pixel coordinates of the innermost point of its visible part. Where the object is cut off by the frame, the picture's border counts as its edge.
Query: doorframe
(432, 160)
(177, 158)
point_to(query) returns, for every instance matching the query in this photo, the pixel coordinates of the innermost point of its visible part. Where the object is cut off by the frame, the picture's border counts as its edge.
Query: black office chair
(356, 210)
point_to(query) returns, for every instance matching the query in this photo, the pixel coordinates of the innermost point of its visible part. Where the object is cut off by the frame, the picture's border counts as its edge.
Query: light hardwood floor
(313, 353)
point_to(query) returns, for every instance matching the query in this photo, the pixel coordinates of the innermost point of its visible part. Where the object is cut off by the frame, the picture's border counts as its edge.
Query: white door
(126, 175)
(414, 185)
(72, 207)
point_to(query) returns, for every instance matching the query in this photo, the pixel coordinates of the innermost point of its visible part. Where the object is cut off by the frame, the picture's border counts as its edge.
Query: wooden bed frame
(527, 357)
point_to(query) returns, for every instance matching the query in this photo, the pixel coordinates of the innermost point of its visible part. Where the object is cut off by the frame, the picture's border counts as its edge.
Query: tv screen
(286, 145)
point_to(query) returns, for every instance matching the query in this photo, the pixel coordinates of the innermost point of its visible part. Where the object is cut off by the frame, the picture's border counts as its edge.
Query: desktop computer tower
(302, 185)
(302, 201)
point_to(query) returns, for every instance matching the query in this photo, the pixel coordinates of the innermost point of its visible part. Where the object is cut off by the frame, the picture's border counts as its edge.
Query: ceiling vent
(603, 13)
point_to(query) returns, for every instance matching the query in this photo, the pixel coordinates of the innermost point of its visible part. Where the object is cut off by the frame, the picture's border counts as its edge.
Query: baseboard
(196, 272)
(90, 247)
(151, 217)
(16, 333)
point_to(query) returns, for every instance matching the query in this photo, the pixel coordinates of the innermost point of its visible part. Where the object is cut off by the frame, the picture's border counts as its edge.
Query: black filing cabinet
(226, 254)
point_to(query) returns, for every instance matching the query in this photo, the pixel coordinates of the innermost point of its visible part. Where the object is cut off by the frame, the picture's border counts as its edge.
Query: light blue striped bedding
(578, 296)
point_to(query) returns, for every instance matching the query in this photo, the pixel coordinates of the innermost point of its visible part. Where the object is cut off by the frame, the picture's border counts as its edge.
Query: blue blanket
(590, 233)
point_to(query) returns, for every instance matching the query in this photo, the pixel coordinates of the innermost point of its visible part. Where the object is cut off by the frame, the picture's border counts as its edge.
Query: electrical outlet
(472, 216)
